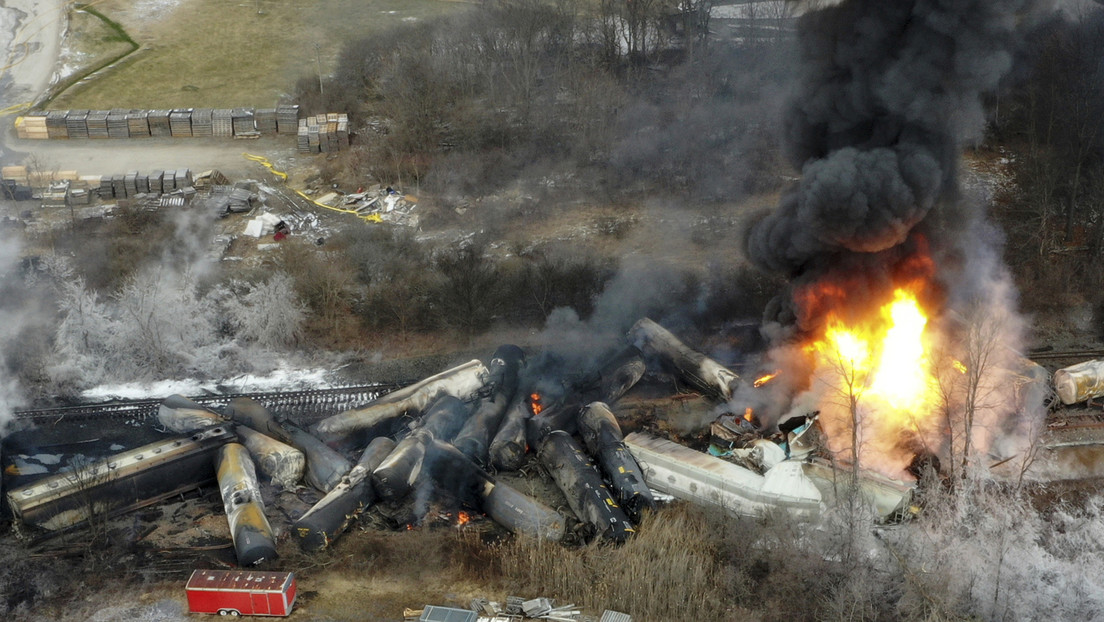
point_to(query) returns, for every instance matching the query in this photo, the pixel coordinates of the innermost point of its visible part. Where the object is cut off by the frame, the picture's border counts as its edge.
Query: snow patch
(281, 379)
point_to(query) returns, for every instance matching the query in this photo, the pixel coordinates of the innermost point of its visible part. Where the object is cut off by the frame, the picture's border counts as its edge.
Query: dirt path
(32, 36)
(114, 156)
(31, 31)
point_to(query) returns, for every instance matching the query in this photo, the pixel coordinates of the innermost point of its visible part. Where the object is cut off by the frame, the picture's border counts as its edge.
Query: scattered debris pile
(388, 204)
(515, 609)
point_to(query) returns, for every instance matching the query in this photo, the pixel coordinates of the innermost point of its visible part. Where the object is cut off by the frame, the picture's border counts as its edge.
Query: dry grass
(669, 571)
(209, 53)
(374, 575)
(91, 41)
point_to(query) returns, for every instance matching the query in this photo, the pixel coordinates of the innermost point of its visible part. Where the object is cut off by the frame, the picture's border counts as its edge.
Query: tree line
(618, 96)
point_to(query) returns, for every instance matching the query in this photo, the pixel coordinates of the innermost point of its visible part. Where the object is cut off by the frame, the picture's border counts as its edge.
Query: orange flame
(748, 415)
(877, 372)
(762, 380)
(463, 518)
(535, 403)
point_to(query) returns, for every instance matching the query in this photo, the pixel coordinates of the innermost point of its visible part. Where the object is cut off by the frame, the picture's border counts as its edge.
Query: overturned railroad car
(125, 481)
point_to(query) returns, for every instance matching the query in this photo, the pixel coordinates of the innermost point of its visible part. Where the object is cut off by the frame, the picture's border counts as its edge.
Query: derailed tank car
(582, 486)
(327, 519)
(125, 481)
(254, 541)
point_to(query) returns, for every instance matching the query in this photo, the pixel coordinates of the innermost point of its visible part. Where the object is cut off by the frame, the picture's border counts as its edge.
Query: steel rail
(308, 404)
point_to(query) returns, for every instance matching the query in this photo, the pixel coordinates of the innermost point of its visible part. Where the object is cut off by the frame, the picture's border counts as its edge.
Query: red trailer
(241, 592)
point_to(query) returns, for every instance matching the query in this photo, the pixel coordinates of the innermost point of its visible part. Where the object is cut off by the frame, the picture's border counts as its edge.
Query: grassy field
(91, 40)
(212, 53)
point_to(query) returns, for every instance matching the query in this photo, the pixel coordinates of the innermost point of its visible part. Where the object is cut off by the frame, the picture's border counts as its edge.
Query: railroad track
(1065, 354)
(1074, 421)
(302, 406)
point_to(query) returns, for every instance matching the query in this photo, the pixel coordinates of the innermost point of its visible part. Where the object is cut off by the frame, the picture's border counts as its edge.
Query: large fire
(878, 373)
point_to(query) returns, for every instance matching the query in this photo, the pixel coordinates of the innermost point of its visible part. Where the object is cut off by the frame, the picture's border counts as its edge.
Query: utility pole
(318, 64)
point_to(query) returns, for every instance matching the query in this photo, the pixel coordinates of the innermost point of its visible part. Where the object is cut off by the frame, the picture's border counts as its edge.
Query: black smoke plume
(890, 93)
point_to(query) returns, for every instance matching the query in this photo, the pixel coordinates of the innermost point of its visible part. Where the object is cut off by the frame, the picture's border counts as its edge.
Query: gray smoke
(891, 91)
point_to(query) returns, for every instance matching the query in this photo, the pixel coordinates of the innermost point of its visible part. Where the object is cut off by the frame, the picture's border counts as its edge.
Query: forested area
(1050, 123)
(528, 109)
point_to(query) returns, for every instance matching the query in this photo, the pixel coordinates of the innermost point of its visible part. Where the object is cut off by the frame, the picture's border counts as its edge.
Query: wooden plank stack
(243, 122)
(323, 133)
(303, 137)
(138, 124)
(180, 123)
(117, 124)
(222, 122)
(55, 124)
(159, 123)
(183, 178)
(265, 119)
(97, 124)
(168, 181)
(106, 190)
(130, 183)
(76, 123)
(32, 127)
(118, 186)
(287, 119)
(154, 180)
(201, 122)
(319, 133)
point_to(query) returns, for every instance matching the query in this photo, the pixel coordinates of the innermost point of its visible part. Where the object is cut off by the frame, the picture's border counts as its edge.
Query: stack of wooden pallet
(314, 131)
(222, 122)
(343, 131)
(118, 186)
(287, 119)
(138, 124)
(159, 123)
(130, 183)
(55, 124)
(97, 124)
(14, 173)
(154, 180)
(32, 126)
(265, 118)
(201, 122)
(180, 123)
(183, 178)
(303, 137)
(76, 123)
(117, 124)
(168, 181)
(106, 190)
(323, 133)
(243, 122)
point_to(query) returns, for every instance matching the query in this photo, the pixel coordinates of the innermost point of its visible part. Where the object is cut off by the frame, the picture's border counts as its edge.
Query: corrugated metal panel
(447, 614)
(615, 616)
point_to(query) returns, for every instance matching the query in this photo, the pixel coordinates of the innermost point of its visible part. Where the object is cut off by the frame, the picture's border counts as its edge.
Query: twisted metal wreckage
(447, 434)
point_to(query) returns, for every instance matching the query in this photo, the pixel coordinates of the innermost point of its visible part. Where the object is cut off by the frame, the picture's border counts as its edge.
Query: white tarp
(262, 225)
